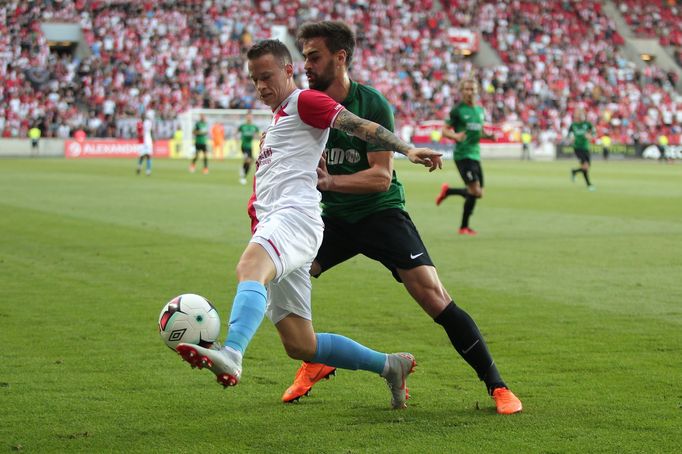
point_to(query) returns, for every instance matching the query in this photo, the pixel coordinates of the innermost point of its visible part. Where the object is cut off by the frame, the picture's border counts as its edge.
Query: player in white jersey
(287, 231)
(146, 145)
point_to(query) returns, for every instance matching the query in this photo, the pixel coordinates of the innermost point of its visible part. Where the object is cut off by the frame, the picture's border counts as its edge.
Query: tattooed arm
(378, 135)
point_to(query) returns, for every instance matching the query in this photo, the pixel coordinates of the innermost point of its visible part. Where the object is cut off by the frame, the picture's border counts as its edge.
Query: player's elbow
(381, 182)
(384, 183)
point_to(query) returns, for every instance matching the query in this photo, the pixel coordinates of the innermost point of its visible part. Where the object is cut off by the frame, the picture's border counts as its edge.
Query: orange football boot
(308, 374)
(507, 403)
(442, 194)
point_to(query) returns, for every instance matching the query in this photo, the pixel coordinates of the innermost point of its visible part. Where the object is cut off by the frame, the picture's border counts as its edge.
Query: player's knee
(476, 193)
(299, 351)
(245, 269)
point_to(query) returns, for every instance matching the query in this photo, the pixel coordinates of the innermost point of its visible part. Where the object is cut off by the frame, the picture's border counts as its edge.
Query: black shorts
(200, 147)
(582, 155)
(470, 170)
(247, 152)
(388, 236)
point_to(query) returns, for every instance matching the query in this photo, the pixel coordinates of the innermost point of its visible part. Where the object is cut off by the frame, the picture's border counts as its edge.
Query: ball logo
(75, 149)
(176, 335)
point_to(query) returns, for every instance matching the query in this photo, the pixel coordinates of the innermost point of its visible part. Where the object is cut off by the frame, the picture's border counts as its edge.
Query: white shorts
(291, 239)
(145, 149)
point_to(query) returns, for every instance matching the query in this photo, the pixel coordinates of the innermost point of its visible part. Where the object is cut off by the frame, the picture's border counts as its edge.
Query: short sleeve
(317, 109)
(380, 114)
(453, 119)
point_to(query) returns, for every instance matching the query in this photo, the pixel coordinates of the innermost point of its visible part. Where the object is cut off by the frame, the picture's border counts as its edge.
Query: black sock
(574, 171)
(246, 166)
(205, 161)
(469, 204)
(457, 191)
(587, 178)
(468, 341)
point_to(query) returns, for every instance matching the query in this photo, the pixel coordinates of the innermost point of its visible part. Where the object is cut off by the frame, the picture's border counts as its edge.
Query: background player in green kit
(465, 126)
(200, 133)
(364, 211)
(582, 131)
(247, 132)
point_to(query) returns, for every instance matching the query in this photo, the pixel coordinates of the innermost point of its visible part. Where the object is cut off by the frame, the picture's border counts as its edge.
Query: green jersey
(201, 132)
(247, 131)
(579, 131)
(464, 117)
(347, 155)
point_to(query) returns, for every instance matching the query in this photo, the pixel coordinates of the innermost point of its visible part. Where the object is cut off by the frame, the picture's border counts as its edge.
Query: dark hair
(337, 36)
(270, 46)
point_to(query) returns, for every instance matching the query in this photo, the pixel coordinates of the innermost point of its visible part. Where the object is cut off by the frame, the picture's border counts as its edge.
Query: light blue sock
(247, 314)
(149, 164)
(339, 351)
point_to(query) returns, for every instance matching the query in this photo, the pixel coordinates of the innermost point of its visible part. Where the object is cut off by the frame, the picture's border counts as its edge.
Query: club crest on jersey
(281, 113)
(339, 156)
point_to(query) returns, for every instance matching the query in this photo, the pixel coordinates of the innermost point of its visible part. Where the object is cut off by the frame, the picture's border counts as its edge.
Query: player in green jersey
(582, 132)
(364, 211)
(465, 126)
(200, 133)
(247, 132)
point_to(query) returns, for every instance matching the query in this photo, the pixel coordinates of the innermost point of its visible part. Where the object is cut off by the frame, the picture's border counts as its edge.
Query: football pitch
(579, 295)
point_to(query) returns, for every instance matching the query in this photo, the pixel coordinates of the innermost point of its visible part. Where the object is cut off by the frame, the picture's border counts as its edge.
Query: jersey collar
(351, 93)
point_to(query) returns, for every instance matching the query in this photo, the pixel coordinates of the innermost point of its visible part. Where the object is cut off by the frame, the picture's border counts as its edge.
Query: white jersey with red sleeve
(286, 175)
(144, 137)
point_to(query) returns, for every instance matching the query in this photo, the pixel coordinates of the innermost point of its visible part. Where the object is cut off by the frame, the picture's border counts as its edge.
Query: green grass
(577, 293)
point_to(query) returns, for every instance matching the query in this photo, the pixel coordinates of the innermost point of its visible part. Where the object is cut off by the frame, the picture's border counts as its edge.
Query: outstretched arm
(448, 132)
(378, 135)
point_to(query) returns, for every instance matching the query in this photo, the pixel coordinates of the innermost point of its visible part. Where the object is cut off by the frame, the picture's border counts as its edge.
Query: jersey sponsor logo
(264, 157)
(414, 256)
(340, 156)
(474, 126)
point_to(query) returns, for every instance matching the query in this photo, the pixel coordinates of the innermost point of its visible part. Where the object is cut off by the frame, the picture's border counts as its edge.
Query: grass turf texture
(577, 293)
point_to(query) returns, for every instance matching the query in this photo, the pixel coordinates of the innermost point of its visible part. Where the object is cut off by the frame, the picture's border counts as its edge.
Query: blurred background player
(364, 211)
(465, 126)
(247, 132)
(200, 133)
(582, 132)
(218, 139)
(146, 147)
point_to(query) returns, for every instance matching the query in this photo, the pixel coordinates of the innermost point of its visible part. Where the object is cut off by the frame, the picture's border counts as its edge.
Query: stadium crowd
(166, 56)
(654, 19)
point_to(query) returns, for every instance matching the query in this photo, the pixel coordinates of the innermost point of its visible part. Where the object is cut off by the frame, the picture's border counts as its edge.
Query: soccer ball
(189, 319)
